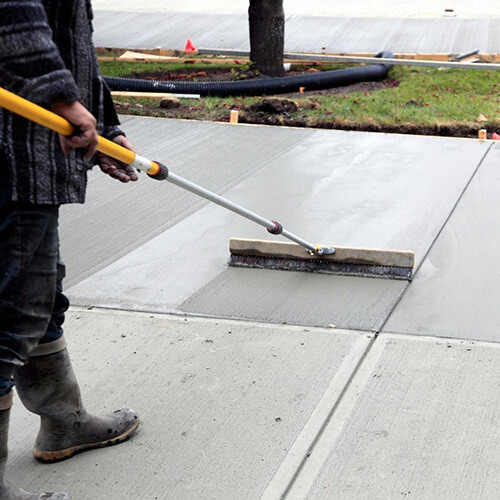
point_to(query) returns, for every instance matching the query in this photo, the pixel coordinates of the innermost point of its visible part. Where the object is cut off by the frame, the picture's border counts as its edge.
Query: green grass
(413, 97)
(424, 96)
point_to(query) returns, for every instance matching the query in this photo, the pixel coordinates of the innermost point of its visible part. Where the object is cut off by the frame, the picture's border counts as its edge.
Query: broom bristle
(349, 261)
(321, 267)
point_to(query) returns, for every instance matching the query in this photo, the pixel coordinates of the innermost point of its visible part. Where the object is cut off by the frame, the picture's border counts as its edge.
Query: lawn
(456, 102)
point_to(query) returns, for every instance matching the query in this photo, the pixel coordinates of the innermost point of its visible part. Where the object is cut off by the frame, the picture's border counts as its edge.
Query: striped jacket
(47, 55)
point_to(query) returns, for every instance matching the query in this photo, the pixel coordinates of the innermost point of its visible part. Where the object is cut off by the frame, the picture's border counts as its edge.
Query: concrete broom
(300, 255)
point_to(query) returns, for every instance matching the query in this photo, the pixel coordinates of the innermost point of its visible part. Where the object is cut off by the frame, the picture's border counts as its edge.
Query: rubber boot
(47, 387)
(7, 490)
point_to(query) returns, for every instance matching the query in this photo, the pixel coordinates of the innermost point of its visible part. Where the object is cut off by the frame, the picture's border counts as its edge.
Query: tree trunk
(267, 36)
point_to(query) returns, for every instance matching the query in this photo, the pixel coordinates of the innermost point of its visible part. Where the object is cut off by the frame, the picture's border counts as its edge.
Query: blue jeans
(32, 304)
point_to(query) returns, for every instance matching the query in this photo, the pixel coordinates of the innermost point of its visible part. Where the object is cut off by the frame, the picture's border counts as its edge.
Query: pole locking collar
(277, 229)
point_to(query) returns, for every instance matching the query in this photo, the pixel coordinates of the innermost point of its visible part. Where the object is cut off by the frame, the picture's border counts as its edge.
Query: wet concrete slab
(419, 421)
(298, 298)
(118, 218)
(456, 292)
(221, 403)
(350, 189)
(185, 269)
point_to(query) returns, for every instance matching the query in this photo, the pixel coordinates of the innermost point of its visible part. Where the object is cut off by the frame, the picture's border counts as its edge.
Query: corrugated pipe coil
(280, 85)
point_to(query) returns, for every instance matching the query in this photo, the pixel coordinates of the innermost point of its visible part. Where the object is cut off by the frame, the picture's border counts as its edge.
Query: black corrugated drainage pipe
(281, 85)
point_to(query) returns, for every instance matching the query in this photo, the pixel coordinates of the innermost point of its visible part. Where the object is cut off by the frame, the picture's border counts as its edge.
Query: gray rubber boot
(47, 387)
(7, 490)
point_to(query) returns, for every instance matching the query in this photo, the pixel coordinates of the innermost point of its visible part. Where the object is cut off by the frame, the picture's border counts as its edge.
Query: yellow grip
(46, 118)
(114, 150)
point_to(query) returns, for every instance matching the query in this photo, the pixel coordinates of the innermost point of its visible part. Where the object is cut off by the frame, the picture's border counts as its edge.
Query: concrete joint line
(445, 223)
(334, 426)
(303, 461)
(388, 336)
(454, 208)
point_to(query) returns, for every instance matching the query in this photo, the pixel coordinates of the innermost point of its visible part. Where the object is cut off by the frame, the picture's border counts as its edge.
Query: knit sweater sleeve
(111, 121)
(30, 63)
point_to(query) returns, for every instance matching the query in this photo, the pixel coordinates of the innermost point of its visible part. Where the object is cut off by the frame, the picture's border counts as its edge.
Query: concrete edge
(181, 316)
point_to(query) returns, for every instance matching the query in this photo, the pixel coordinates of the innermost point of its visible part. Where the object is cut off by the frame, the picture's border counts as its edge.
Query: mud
(436, 129)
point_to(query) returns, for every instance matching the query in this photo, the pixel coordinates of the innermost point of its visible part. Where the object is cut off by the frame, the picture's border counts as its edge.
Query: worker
(47, 56)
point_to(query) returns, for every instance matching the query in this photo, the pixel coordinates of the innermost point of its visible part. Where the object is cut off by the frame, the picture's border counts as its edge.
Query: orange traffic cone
(189, 47)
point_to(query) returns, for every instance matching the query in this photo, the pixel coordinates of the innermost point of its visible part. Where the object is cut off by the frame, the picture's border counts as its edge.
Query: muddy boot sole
(59, 455)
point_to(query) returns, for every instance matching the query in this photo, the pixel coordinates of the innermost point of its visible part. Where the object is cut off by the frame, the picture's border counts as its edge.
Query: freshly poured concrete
(185, 269)
(420, 420)
(350, 189)
(118, 218)
(457, 291)
(221, 404)
(298, 298)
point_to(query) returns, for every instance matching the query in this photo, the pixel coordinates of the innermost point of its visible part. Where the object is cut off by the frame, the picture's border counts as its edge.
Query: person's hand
(114, 168)
(78, 115)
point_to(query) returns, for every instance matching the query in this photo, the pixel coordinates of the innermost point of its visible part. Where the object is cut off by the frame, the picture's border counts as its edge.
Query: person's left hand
(114, 168)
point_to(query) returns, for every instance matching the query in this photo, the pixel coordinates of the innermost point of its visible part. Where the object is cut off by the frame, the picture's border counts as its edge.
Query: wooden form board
(152, 95)
(134, 56)
(130, 56)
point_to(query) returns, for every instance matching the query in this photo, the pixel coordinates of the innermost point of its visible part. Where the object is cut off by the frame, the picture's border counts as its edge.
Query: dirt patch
(404, 128)
(208, 75)
(274, 105)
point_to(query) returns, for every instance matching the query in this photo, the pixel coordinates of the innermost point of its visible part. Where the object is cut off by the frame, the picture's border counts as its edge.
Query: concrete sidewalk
(318, 8)
(317, 26)
(236, 409)
(268, 384)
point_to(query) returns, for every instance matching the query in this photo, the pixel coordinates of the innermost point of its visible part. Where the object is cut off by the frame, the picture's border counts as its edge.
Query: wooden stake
(233, 116)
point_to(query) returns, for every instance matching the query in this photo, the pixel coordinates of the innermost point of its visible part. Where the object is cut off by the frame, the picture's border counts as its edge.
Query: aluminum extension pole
(272, 226)
(154, 169)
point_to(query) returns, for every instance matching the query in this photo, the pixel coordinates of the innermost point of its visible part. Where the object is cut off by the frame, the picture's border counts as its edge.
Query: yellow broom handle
(42, 116)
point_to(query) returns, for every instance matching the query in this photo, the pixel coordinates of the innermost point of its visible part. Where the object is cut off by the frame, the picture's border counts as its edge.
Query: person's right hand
(78, 115)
